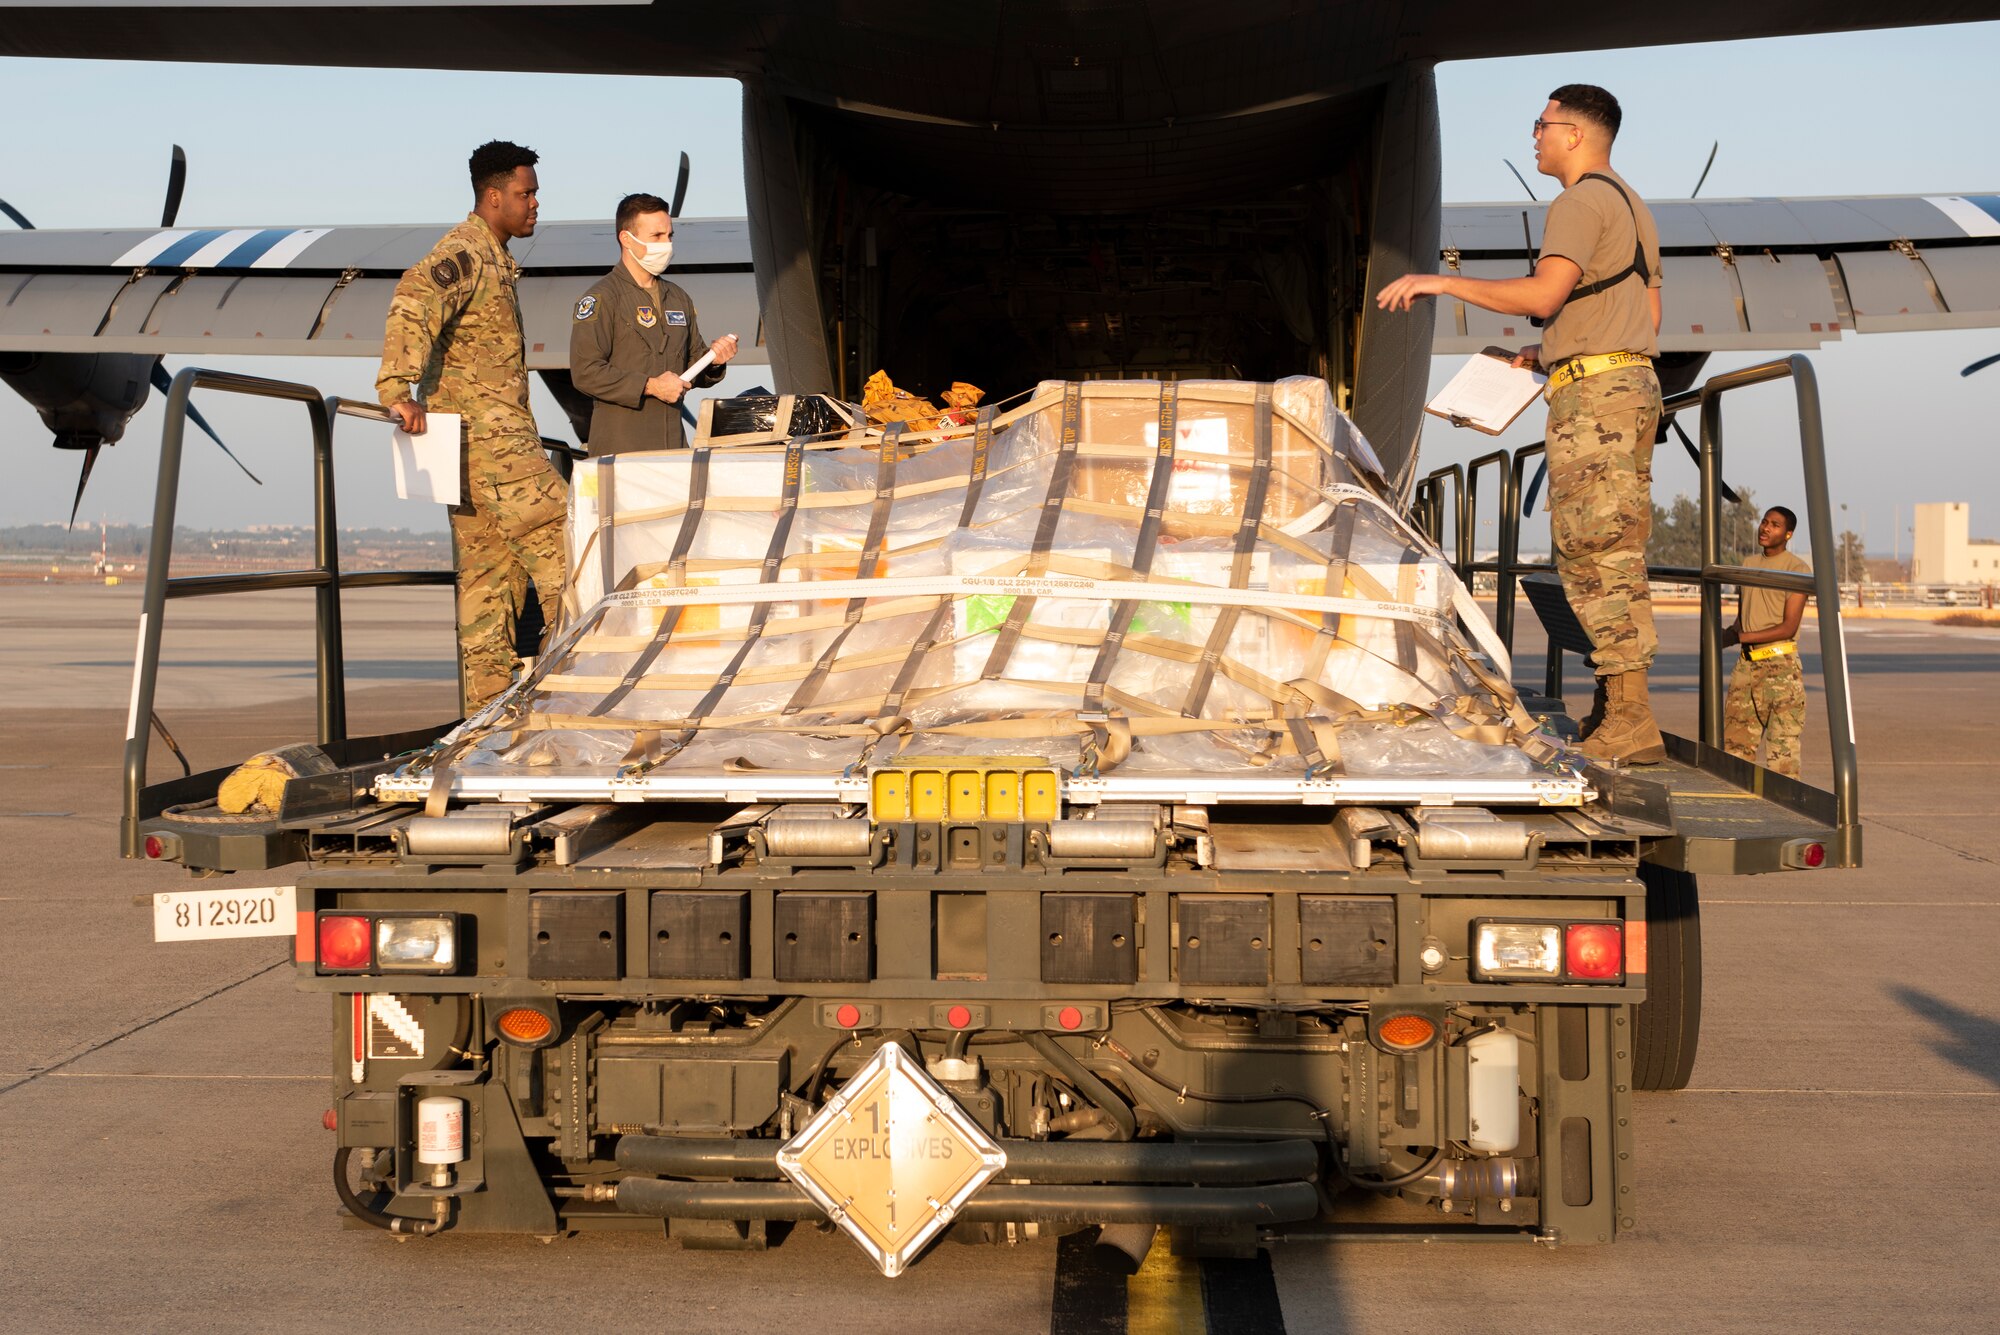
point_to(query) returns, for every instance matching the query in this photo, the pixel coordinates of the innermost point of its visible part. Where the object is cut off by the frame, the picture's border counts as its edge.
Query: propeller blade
(1704, 169)
(20, 219)
(680, 187)
(1534, 488)
(164, 382)
(1522, 179)
(177, 175)
(89, 462)
(1979, 365)
(1728, 492)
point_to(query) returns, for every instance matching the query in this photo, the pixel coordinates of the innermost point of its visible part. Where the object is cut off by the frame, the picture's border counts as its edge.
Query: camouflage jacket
(454, 336)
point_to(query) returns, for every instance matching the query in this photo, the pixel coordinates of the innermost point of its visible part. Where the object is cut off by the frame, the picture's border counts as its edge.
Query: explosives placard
(891, 1158)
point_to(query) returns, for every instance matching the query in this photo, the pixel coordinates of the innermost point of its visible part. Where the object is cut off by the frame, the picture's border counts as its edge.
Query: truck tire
(1667, 1025)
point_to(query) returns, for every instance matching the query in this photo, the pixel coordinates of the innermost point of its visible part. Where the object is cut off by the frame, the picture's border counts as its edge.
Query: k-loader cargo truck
(1115, 810)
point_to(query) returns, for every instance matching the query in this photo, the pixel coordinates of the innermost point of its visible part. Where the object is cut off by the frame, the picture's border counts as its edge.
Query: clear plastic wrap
(974, 600)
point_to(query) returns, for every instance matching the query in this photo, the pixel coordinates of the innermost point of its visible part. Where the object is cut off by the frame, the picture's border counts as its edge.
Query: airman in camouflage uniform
(1596, 285)
(454, 333)
(1767, 689)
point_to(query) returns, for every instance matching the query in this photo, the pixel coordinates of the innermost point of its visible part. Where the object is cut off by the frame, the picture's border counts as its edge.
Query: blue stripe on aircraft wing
(185, 247)
(253, 249)
(1990, 204)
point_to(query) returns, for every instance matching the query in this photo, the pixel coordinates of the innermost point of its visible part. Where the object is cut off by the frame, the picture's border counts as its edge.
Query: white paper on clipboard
(427, 465)
(1488, 393)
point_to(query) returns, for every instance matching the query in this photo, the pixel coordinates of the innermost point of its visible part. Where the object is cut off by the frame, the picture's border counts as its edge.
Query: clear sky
(1900, 112)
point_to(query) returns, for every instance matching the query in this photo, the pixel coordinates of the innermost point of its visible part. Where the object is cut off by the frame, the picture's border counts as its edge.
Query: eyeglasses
(1541, 125)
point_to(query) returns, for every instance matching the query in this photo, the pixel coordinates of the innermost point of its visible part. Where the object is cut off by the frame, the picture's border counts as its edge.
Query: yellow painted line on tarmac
(1164, 1297)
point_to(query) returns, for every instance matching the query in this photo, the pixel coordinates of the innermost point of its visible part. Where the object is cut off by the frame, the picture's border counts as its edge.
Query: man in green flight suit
(635, 336)
(453, 343)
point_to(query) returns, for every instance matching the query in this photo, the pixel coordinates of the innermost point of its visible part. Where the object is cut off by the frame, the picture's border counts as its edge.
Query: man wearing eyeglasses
(1596, 284)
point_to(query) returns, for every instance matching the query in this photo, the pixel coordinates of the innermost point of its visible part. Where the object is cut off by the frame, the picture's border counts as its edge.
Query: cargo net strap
(1113, 574)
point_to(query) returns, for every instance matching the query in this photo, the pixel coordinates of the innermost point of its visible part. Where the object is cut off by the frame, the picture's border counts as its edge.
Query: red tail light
(344, 942)
(1593, 950)
(1815, 855)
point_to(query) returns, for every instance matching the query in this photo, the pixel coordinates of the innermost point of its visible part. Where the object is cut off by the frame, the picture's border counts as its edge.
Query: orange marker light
(525, 1024)
(1406, 1032)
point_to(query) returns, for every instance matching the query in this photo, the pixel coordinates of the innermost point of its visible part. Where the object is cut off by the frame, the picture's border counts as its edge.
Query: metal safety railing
(1451, 494)
(324, 576)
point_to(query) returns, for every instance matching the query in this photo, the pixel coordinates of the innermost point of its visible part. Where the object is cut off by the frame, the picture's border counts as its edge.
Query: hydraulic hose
(1087, 1084)
(388, 1223)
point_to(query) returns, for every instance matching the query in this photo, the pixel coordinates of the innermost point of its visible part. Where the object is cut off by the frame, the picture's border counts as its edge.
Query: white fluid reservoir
(440, 1130)
(1492, 1091)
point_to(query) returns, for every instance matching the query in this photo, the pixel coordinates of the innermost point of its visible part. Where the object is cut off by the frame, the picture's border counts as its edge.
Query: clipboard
(1488, 392)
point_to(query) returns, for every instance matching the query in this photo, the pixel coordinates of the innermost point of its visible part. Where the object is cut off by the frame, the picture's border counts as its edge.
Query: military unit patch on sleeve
(587, 306)
(445, 272)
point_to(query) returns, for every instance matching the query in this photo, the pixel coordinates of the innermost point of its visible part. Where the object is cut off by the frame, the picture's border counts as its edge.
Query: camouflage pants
(1601, 509)
(507, 533)
(1766, 702)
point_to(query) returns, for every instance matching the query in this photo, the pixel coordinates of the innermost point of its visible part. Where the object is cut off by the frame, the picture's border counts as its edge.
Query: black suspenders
(1637, 266)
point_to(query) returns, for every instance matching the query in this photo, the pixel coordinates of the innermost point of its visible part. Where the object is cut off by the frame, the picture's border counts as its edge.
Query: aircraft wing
(292, 291)
(1741, 275)
(1765, 274)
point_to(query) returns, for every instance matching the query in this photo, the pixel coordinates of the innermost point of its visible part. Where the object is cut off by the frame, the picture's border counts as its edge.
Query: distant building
(1944, 554)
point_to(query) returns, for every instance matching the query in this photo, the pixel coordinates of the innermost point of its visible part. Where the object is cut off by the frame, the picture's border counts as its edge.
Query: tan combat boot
(1628, 733)
(1595, 718)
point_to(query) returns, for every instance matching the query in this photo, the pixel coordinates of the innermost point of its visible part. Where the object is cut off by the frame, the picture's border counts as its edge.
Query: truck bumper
(1089, 1182)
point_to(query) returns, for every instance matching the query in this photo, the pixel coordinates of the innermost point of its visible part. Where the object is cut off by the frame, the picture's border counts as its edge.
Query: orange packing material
(883, 402)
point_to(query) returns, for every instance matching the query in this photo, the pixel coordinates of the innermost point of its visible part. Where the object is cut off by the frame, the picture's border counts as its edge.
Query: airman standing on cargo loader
(1597, 283)
(454, 332)
(634, 337)
(1767, 691)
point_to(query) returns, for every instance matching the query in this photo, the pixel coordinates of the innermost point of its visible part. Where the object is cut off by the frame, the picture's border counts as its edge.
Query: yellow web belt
(1759, 653)
(1573, 369)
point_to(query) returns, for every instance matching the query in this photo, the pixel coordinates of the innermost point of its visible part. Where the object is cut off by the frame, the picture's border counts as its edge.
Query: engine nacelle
(85, 398)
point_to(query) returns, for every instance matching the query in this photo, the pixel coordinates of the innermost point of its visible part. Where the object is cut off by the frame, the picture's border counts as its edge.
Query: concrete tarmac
(161, 1147)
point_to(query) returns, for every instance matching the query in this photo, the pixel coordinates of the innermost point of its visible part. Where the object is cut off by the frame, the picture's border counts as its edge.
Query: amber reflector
(524, 1024)
(1407, 1031)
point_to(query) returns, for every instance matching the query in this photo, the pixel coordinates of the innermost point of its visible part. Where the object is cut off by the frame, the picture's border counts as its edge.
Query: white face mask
(653, 256)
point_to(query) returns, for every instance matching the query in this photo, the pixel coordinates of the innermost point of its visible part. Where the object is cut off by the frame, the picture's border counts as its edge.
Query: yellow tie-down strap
(1761, 653)
(1573, 369)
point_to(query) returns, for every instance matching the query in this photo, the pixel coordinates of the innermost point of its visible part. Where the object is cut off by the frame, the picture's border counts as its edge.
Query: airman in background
(453, 343)
(1767, 690)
